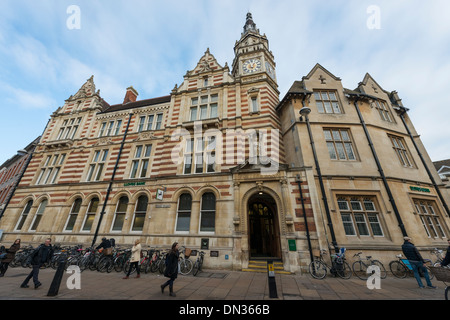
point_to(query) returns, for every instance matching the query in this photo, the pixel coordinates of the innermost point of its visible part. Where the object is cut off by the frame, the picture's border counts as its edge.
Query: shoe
(24, 286)
(172, 294)
(162, 289)
(126, 277)
(138, 276)
(37, 285)
(1, 275)
(431, 287)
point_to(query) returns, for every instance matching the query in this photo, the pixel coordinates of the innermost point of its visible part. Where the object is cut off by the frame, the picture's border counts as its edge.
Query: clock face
(270, 70)
(251, 65)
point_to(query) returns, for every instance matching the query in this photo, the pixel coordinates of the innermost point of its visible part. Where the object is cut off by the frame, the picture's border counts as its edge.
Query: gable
(320, 72)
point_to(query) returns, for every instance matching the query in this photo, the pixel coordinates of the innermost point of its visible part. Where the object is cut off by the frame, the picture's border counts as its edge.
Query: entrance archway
(263, 228)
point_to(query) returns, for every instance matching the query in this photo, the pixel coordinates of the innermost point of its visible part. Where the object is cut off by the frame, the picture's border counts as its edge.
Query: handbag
(107, 251)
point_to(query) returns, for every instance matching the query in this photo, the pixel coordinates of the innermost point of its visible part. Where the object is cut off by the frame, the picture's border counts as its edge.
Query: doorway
(264, 237)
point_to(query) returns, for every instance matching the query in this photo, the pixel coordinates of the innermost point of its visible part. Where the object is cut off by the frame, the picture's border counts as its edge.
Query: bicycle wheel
(162, 266)
(398, 269)
(119, 264)
(446, 292)
(154, 266)
(345, 272)
(318, 269)
(360, 270)
(102, 264)
(383, 272)
(185, 266)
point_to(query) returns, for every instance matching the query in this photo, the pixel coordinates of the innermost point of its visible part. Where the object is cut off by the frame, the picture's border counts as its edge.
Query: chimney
(131, 95)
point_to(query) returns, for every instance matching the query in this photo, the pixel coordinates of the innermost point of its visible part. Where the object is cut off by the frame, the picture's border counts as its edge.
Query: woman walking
(135, 258)
(10, 254)
(171, 268)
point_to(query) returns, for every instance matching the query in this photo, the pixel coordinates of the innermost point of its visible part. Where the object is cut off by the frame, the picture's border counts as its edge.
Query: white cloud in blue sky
(151, 44)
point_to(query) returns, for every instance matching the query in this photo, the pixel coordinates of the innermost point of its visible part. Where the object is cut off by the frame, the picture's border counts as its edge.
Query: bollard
(272, 283)
(54, 287)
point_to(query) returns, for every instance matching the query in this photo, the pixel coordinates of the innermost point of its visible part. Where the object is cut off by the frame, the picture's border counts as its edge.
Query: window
(139, 214)
(90, 215)
(139, 166)
(196, 153)
(184, 213)
(254, 105)
(208, 213)
(110, 128)
(360, 216)
(39, 214)
(69, 129)
(159, 118)
(339, 144)
(204, 107)
(24, 215)
(50, 169)
(73, 215)
(401, 150)
(121, 211)
(430, 218)
(327, 102)
(97, 165)
(383, 109)
(147, 122)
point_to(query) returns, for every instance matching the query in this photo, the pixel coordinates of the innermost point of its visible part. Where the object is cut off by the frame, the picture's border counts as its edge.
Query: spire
(250, 25)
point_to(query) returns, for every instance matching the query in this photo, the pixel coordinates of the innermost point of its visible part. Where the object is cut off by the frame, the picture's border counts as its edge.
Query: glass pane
(105, 155)
(71, 222)
(208, 221)
(328, 107)
(158, 121)
(348, 225)
(332, 96)
(214, 98)
(204, 99)
(28, 207)
(320, 108)
(93, 205)
(343, 205)
(144, 168)
(99, 172)
(331, 150)
(76, 206)
(138, 152)
(36, 222)
(327, 134)
(194, 101)
(123, 203)
(369, 205)
(150, 122)
(193, 114)
(340, 151)
(183, 221)
(148, 151)
(361, 224)
(185, 202)
(350, 153)
(209, 201)
(88, 223)
(118, 222)
(336, 135)
(356, 205)
(42, 207)
(345, 135)
(141, 123)
(142, 204)
(138, 224)
(336, 108)
(317, 96)
(213, 110)
(203, 112)
(324, 96)
(375, 225)
(187, 164)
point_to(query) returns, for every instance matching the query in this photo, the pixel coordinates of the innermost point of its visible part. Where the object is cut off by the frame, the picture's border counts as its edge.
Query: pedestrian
(135, 259)
(417, 263)
(40, 255)
(105, 246)
(446, 260)
(171, 268)
(10, 254)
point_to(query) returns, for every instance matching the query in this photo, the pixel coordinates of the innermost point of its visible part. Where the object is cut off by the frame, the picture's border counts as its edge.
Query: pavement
(212, 285)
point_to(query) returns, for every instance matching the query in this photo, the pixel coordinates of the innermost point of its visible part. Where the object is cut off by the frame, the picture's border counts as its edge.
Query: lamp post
(304, 112)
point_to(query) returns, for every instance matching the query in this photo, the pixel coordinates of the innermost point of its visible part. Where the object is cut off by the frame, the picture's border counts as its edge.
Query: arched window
(139, 214)
(208, 213)
(24, 215)
(184, 212)
(39, 214)
(90, 214)
(73, 214)
(121, 211)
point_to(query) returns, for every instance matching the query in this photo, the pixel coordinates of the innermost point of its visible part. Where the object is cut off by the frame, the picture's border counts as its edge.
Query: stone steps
(261, 266)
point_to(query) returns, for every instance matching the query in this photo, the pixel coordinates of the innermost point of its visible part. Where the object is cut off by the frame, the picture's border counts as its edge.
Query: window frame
(189, 212)
(73, 215)
(143, 213)
(37, 215)
(320, 101)
(402, 151)
(344, 142)
(90, 213)
(116, 212)
(23, 216)
(207, 211)
(431, 221)
(212, 100)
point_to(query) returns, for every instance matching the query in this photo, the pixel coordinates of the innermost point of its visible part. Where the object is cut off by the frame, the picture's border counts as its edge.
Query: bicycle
(318, 268)
(401, 268)
(185, 265)
(360, 267)
(439, 258)
(198, 264)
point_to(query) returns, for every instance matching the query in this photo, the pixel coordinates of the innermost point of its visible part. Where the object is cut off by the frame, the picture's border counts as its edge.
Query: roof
(297, 88)
(439, 164)
(137, 104)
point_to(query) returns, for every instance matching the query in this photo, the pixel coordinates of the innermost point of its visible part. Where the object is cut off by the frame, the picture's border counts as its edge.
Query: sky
(48, 50)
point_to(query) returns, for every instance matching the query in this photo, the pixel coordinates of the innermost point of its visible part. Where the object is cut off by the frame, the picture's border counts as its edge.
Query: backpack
(113, 242)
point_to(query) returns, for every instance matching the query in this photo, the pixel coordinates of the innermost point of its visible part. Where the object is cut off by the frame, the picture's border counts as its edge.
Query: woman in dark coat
(171, 268)
(10, 254)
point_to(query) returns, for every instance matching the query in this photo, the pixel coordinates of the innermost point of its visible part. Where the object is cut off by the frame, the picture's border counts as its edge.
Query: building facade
(222, 165)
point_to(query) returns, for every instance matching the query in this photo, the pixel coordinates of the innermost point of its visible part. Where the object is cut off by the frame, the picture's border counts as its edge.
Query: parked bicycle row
(412, 264)
(105, 258)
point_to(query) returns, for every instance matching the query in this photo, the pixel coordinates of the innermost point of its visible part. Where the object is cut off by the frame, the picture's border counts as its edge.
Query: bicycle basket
(441, 274)
(187, 253)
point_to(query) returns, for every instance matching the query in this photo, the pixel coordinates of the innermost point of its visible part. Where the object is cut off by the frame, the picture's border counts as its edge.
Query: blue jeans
(415, 266)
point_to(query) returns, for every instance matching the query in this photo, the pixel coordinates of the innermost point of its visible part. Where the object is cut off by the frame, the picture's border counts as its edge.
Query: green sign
(292, 245)
(130, 184)
(419, 189)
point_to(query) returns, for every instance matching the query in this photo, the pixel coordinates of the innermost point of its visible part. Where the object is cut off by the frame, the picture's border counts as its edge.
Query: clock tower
(253, 60)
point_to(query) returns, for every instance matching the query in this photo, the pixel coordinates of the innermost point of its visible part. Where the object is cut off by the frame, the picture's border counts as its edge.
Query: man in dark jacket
(415, 259)
(446, 260)
(41, 255)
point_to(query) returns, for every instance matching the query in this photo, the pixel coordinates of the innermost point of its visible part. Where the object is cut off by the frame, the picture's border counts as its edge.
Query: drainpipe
(111, 182)
(438, 191)
(299, 181)
(380, 170)
(304, 112)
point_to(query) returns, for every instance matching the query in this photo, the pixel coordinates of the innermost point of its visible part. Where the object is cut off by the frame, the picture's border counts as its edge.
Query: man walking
(415, 259)
(41, 255)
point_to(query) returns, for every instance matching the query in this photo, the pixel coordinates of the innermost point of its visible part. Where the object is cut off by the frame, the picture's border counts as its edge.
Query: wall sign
(419, 189)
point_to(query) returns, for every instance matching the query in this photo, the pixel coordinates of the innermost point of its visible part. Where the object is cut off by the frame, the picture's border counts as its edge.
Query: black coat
(446, 260)
(41, 255)
(11, 253)
(172, 265)
(411, 253)
(105, 244)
